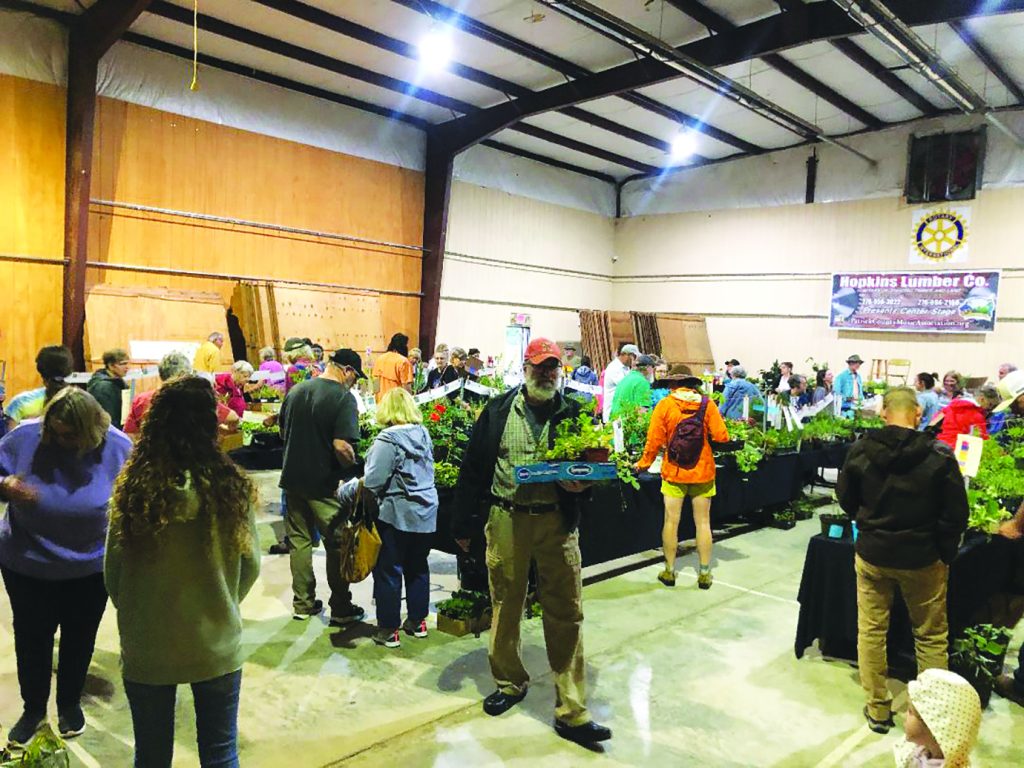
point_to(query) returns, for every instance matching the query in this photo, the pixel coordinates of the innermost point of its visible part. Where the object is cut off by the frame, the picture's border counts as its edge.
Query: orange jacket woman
(683, 403)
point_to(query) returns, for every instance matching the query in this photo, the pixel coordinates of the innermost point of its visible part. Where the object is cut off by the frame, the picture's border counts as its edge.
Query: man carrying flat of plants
(907, 496)
(530, 521)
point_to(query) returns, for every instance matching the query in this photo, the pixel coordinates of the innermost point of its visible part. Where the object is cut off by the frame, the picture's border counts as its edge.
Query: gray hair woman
(231, 386)
(58, 474)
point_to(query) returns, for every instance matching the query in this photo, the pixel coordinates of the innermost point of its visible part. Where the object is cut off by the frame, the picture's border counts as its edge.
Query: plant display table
(982, 569)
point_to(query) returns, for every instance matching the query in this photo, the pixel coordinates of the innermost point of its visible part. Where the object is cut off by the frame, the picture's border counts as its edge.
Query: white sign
(620, 436)
(968, 453)
(939, 235)
(155, 350)
(438, 393)
(810, 411)
(579, 386)
(267, 376)
(480, 389)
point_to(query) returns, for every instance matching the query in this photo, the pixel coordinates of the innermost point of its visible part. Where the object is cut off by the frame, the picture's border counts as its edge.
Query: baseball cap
(630, 349)
(294, 343)
(539, 350)
(1010, 387)
(734, 361)
(645, 360)
(349, 359)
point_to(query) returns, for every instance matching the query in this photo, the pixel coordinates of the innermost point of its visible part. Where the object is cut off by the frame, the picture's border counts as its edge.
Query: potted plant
(783, 518)
(463, 613)
(978, 657)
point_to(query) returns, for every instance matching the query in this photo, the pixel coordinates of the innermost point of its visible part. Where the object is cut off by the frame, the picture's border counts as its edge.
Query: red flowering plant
(449, 426)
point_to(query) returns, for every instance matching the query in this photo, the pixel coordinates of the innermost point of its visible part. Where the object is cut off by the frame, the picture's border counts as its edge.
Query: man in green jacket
(634, 391)
(107, 384)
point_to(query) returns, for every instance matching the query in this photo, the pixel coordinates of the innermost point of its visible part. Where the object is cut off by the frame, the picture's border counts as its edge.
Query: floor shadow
(346, 637)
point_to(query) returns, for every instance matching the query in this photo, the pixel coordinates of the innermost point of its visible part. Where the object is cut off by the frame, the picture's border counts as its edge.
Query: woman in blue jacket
(400, 474)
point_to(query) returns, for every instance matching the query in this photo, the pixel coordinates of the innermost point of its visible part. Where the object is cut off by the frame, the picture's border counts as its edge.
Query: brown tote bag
(359, 540)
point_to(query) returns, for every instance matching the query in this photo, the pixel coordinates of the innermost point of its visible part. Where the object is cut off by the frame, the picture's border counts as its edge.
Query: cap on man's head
(630, 349)
(294, 343)
(734, 361)
(1010, 387)
(645, 360)
(348, 358)
(854, 359)
(539, 350)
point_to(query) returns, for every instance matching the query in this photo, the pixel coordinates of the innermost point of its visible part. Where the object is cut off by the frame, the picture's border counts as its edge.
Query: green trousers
(305, 517)
(513, 539)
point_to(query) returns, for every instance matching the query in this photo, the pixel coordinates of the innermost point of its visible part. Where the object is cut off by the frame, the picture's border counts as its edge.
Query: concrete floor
(683, 677)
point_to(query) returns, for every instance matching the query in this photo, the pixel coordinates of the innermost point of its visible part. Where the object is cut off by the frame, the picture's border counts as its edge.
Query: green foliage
(784, 515)
(981, 650)
(574, 436)
(266, 392)
(446, 475)
(876, 387)
(450, 424)
(45, 750)
(464, 605)
(770, 377)
(635, 423)
(748, 457)
(250, 428)
(997, 489)
(495, 381)
(816, 366)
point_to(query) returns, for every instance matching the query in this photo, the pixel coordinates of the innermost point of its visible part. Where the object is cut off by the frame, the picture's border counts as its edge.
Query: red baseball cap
(540, 350)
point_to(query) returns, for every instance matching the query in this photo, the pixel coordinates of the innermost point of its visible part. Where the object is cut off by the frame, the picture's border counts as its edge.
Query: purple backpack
(687, 443)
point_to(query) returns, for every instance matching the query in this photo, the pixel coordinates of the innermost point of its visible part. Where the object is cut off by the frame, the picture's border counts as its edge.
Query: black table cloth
(983, 568)
(620, 520)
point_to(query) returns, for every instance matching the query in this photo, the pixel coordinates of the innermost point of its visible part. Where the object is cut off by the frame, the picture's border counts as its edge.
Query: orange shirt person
(688, 468)
(393, 369)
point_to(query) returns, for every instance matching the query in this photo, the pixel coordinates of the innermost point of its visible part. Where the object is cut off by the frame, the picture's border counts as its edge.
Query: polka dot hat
(951, 709)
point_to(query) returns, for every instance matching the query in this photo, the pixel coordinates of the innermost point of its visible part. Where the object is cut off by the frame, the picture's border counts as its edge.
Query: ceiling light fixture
(684, 146)
(435, 49)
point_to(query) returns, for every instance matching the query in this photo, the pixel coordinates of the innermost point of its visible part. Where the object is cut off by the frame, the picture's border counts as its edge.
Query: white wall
(507, 254)
(762, 278)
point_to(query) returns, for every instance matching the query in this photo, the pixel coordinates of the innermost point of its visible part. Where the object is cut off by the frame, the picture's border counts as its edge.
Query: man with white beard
(535, 521)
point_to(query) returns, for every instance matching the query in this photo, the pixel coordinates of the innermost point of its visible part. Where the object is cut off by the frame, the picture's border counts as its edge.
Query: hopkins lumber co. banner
(919, 302)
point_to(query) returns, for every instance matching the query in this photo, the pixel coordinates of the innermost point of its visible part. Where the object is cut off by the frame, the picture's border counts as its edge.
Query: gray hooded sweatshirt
(400, 473)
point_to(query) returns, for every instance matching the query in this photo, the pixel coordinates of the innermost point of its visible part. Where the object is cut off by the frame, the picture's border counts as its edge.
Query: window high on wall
(945, 166)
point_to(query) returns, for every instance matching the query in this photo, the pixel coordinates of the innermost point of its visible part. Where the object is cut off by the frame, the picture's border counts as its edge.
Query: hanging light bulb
(435, 49)
(684, 145)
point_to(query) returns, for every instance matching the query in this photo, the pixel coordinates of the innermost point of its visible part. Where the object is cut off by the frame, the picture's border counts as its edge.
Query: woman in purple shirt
(57, 476)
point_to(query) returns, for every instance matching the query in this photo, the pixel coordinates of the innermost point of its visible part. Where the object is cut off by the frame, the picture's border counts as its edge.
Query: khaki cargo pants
(924, 592)
(513, 538)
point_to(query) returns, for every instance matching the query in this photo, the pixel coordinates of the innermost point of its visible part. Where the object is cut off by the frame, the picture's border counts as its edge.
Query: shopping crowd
(161, 521)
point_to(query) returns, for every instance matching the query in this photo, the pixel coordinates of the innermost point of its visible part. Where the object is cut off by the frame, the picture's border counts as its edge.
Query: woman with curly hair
(182, 553)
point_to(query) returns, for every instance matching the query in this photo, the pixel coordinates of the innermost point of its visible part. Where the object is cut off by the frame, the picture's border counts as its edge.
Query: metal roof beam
(326, 20)
(989, 60)
(501, 39)
(811, 23)
(314, 58)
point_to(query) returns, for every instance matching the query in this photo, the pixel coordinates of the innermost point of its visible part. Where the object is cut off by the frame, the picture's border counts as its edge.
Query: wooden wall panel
(152, 158)
(31, 222)
(117, 315)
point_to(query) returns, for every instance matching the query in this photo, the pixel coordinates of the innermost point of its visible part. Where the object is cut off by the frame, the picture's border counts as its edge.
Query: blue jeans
(403, 556)
(216, 703)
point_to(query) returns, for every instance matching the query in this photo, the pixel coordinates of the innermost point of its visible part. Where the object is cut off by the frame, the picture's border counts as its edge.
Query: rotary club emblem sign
(939, 235)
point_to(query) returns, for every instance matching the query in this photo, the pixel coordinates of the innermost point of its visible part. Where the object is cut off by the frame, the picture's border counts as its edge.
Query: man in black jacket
(907, 495)
(530, 521)
(107, 384)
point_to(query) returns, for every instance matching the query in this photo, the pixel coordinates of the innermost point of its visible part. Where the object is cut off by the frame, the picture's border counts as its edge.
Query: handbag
(359, 540)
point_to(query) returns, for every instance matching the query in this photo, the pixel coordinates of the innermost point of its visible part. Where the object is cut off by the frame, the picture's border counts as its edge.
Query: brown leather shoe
(1006, 687)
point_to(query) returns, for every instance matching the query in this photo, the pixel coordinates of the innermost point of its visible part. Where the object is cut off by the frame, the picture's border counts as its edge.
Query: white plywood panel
(1003, 37)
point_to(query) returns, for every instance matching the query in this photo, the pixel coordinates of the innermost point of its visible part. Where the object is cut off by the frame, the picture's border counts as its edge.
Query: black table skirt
(982, 569)
(620, 520)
